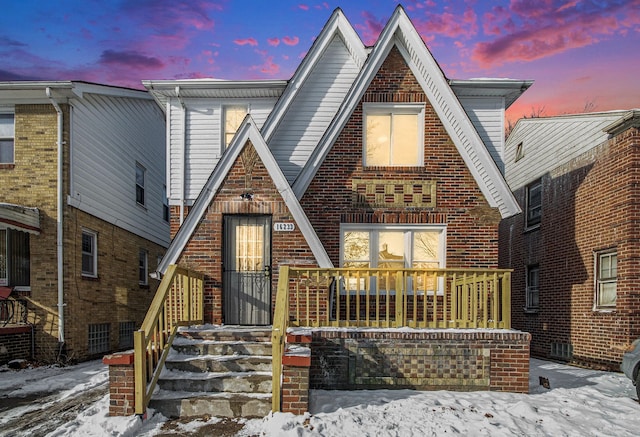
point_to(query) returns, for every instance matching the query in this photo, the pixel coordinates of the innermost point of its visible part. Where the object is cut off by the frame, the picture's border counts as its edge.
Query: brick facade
(15, 343)
(472, 225)
(588, 205)
(445, 359)
(204, 251)
(115, 295)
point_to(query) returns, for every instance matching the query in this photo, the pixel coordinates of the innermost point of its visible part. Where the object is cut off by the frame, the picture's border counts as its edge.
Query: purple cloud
(129, 59)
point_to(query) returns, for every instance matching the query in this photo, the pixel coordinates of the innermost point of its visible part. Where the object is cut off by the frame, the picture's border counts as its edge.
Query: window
(532, 290)
(98, 338)
(15, 258)
(143, 267)
(519, 152)
(89, 254)
(395, 247)
(126, 334)
(233, 116)
(140, 179)
(7, 133)
(393, 135)
(606, 279)
(534, 203)
(165, 204)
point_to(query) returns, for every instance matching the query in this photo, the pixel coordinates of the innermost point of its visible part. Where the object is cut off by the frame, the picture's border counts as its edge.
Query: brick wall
(449, 359)
(15, 343)
(203, 252)
(588, 205)
(472, 225)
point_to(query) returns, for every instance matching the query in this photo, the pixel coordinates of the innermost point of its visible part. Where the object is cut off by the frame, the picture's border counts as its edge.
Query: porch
(396, 323)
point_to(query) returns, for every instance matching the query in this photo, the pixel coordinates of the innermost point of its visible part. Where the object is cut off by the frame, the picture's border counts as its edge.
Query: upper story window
(534, 203)
(140, 180)
(165, 204)
(533, 291)
(606, 279)
(89, 254)
(7, 133)
(233, 116)
(393, 135)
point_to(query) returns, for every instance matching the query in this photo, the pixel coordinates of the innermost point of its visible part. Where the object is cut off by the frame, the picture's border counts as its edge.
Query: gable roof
(247, 132)
(401, 33)
(336, 25)
(546, 143)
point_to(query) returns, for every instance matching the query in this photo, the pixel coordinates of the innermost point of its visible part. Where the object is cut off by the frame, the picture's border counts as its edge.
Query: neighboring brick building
(575, 250)
(82, 216)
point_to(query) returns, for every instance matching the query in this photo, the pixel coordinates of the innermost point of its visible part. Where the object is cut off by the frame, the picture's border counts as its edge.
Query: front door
(247, 270)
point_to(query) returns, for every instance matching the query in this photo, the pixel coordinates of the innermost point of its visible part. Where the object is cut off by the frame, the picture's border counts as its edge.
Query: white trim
(94, 254)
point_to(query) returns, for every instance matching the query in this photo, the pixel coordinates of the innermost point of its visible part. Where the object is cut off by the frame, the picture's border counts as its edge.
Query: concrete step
(228, 333)
(231, 382)
(219, 363)
(211, 347)
(187, 405)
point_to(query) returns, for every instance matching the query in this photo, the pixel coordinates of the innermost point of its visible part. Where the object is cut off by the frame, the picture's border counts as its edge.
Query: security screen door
(247, 270)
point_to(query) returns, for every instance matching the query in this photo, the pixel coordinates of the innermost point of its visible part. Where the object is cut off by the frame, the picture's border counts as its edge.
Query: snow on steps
(222, 371)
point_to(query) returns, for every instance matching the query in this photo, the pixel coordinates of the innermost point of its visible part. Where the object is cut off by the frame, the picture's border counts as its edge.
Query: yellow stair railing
(178, 302)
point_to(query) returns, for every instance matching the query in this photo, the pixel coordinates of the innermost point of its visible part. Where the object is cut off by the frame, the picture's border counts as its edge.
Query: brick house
(574, 250)
(367, 158)
(82, 216)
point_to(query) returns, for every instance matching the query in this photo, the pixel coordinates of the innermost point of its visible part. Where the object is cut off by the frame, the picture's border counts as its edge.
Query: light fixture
(247, 196)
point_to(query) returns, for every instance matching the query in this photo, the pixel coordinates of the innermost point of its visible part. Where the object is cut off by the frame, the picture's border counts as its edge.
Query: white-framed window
(7, 136)
(532, 287)
(141, 175)
(533, 204)
(89, 253)
(232, 118)
(15, 258)
(393, 247)
(143, 267)
(606, 266)
(393, 135)
(165, 204)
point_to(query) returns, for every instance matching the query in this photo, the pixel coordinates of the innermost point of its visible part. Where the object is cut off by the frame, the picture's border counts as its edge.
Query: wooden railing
(419, 298)
(178, 302)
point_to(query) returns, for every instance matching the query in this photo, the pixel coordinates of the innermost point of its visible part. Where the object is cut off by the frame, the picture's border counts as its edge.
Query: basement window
(98, 338)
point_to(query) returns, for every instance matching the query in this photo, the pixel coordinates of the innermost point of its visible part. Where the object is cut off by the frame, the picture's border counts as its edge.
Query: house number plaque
(284, 227)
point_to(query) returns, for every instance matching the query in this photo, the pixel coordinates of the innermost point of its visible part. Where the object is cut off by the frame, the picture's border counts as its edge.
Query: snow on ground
(579, 402)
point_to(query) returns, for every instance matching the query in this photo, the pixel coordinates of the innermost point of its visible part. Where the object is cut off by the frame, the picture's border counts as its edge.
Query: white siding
(550, 142)
(108, 136)
(313, 109)
(487, 116)
(203, 142)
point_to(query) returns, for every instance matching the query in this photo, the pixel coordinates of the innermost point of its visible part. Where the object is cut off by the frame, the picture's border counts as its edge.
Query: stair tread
(181, 357)
(167, 374)
(170, 394)
(189, 341)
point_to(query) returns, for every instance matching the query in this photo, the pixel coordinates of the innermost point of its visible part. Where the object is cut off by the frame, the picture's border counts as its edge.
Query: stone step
(219, 363)
(227, 333)
(231, 382)
(210, 347)
(189, 405)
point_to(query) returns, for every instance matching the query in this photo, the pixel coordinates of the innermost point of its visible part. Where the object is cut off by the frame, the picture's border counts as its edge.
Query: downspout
(60, 189)
(183, 139)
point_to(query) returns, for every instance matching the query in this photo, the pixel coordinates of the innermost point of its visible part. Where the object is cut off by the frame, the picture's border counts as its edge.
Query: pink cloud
(303, 7)
(268, 67)
(290, 41)
(273, 42)
(452, 25)
(370, 29)
(246, 41)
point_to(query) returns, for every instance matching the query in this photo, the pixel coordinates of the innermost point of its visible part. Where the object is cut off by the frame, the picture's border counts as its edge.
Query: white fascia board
(336, 25)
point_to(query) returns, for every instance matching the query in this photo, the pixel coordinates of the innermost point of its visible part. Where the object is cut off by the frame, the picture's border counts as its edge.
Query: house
(367, 190)
(574, 249)
(83, 216)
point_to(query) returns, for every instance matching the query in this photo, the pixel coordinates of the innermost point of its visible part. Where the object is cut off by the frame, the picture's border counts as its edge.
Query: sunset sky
(579, 53)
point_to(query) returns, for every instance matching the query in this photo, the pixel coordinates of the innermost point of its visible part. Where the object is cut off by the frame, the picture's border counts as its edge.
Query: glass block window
(98, 338)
